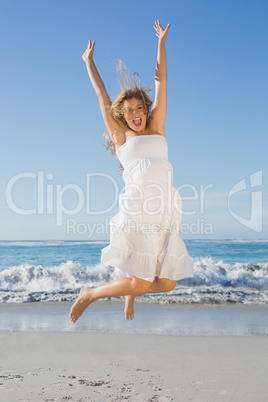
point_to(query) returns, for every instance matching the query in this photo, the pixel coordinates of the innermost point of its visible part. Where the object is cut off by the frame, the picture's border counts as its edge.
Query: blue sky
(50, 123)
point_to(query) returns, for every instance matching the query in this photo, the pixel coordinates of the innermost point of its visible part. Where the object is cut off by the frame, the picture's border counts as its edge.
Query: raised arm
(160, 102)
(115, 131)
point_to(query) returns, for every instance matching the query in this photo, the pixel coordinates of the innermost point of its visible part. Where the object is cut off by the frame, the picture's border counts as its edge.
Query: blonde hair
(131, 88)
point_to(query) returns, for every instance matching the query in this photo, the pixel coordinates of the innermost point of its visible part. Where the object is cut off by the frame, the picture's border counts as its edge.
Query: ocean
(226, 272)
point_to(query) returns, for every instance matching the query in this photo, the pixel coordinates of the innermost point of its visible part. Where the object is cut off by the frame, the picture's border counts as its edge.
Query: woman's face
(134, 114)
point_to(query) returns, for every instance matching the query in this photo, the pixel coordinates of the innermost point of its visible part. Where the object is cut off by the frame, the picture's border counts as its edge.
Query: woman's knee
(171, 285)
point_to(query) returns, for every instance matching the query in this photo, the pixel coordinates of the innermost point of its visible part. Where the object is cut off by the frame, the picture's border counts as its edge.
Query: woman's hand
(88, 55)
(161, 33)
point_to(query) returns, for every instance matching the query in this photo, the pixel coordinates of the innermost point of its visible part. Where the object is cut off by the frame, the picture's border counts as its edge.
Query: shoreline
(109, 367)
(150, 319)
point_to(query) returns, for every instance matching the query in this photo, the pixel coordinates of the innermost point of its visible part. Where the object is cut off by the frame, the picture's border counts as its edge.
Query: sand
(150, 319)
(53, 366)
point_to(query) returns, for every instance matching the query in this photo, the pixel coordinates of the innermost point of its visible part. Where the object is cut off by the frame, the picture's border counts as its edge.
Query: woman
(144, 235)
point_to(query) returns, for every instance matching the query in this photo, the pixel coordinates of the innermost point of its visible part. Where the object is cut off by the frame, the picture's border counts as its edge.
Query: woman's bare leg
(119, 287)
(129, 307)
(159, 285)
(162, 285)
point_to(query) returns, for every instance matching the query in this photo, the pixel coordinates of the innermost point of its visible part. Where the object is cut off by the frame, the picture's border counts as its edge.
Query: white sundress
(144, 240)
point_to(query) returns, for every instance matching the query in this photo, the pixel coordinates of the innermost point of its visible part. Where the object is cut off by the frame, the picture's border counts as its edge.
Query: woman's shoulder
(153, 127)
(118, 137)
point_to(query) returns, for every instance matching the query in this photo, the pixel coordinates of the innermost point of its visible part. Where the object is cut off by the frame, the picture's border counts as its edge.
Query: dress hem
(172, 267)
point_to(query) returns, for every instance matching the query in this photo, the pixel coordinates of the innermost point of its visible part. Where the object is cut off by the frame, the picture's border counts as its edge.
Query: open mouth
(137, 122)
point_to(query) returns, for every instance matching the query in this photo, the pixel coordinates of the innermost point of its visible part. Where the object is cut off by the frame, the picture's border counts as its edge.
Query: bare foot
(83, 301)
(129, 307)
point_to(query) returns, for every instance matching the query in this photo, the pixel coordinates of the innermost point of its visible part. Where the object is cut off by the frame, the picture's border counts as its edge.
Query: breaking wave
(215, 282)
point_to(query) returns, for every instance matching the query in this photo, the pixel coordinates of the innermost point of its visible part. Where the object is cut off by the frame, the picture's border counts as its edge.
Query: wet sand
(167, 353)
(150, 319)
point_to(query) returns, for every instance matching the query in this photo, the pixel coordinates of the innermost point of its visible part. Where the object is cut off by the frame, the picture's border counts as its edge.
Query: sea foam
(214, 282)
